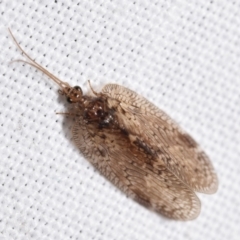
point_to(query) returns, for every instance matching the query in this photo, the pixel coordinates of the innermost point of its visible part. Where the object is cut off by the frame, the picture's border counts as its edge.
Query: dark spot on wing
(124, 131)
(142, 198)
(122, 111)
(147, 149)
(102, 151)
(103, 136)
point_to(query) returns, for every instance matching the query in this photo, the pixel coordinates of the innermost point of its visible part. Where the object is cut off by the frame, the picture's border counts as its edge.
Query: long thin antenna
(33, 63)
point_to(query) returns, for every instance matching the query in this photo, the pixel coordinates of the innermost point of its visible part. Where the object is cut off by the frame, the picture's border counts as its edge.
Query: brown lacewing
(138, 147)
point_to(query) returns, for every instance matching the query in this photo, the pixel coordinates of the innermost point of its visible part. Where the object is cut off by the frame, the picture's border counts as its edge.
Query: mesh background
(181, 55)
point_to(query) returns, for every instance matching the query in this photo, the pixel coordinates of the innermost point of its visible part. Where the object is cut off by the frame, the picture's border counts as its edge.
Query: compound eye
(78, 88)
(69, 100)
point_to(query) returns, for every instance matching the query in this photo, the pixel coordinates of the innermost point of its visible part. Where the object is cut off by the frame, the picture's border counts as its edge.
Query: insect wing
(130, 169)
(155, 129)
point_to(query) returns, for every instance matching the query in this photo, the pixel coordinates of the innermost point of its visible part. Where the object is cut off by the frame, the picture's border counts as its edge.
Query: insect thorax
(96, 110)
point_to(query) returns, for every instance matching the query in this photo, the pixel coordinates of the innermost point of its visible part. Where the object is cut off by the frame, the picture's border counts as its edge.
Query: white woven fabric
(182, 55)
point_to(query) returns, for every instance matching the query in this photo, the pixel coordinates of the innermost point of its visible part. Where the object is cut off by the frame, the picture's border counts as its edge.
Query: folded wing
(131, 169)
(180, 153)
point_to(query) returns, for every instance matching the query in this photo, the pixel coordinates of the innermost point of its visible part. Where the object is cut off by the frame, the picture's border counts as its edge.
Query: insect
(138, 147)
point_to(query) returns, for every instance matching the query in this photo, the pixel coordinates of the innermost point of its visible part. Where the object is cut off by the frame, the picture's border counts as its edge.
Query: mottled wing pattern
(130, 168)
(178, 150)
